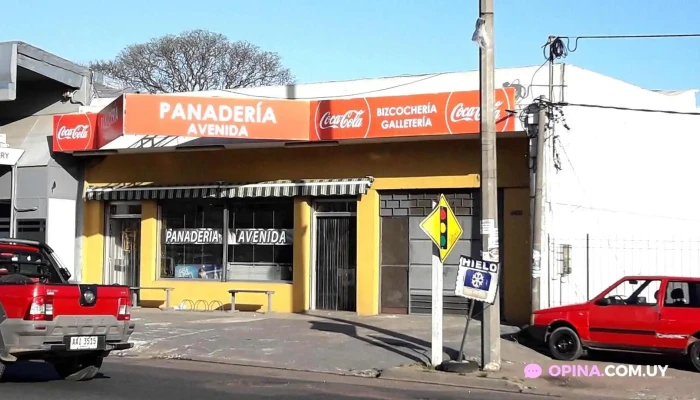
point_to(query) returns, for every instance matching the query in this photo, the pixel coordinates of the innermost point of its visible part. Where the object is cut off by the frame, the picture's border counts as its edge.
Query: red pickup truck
(45, 317)
(642, 314)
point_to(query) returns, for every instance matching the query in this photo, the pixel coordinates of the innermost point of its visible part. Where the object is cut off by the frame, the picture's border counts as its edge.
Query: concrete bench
(135, 289)
(269, 294)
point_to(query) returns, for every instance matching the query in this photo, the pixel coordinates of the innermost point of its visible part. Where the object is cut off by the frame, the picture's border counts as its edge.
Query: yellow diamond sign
(442, 227)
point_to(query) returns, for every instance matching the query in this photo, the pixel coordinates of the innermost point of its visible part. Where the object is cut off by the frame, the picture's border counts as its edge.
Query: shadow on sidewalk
(404, 345)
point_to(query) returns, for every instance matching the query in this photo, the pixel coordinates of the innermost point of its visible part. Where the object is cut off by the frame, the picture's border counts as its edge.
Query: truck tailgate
(87, 299)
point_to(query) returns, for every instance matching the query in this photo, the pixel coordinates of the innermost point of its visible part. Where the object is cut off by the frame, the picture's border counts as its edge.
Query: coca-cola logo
(342, 119)
(73, 132)
(78, 132)
(351, 119)
(463, 112)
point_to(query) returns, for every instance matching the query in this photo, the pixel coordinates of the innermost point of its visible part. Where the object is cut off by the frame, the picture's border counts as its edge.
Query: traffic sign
(10, 156)
(442, 228)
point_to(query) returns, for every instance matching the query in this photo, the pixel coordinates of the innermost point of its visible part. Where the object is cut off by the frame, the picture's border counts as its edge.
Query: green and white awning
(221, 190)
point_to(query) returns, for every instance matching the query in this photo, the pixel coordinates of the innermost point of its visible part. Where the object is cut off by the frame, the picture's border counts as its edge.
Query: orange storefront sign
(451, 113)
(216, 117)
(405, 116)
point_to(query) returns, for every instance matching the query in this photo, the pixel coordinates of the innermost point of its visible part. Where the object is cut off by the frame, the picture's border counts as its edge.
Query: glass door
(122, 244)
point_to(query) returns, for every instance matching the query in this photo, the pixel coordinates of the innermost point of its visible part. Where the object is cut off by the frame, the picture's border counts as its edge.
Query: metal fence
(581, 267)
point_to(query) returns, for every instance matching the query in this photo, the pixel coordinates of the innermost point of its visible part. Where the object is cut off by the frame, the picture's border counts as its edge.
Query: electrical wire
(647, 110)
(558, 48)
(337, 96)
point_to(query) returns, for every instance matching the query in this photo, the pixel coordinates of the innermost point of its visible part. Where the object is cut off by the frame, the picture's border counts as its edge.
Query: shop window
(192, 241)
(260, 240)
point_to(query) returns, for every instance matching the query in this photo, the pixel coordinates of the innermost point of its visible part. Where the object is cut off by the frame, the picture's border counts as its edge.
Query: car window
(24, 259)
(685, 294)
(635, 292)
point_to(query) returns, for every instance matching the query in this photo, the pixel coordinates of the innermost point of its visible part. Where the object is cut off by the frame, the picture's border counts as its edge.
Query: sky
(325, 40)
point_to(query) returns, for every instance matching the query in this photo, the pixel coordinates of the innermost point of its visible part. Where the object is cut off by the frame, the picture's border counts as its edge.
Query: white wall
(627, 181)
(60, 230)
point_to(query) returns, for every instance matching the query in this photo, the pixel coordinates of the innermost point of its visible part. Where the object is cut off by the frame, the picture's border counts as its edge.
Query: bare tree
(193, 61)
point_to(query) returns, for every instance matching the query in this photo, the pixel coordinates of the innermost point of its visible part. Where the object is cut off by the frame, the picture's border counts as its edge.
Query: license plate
(83, 343)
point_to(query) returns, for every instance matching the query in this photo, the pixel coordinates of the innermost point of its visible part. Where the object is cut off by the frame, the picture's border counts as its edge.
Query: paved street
(346, 344)
(172, 380)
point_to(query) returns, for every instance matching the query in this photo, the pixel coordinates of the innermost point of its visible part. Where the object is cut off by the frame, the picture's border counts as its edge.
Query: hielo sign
(477, 279)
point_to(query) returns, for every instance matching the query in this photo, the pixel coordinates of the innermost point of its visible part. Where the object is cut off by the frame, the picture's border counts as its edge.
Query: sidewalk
(396, 346)
(327, 342)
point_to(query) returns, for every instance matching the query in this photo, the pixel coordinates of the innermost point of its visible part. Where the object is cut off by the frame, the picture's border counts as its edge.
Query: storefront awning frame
(223, 190)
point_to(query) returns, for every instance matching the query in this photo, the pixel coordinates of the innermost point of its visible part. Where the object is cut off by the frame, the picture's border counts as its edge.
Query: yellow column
(149, 249)
(93, 242)
(368, 254)
(302, 254)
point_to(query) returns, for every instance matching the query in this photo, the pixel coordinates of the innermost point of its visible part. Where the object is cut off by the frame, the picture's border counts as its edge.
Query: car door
(628, 316)
(680, 314)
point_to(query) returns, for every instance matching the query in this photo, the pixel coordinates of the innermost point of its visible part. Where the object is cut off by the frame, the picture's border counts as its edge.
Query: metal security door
(124, 255)
(336, 263)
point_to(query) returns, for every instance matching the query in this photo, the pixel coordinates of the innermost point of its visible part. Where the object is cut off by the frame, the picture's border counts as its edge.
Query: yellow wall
(412, 165)
(368, 254)
(93, 242)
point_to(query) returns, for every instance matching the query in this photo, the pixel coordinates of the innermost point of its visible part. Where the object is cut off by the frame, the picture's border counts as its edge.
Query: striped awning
(221, 190)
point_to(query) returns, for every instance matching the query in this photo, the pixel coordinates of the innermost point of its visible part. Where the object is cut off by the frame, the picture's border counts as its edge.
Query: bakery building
(319, 201)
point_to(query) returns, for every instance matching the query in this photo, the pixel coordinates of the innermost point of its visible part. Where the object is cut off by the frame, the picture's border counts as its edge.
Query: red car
(43, 316)
(644, 314)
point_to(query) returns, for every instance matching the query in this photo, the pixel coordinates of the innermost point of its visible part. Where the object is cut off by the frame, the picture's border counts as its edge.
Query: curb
(469, 382)
(371, 373)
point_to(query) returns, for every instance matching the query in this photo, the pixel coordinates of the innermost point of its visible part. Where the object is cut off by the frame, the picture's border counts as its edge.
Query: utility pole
(538, 209)
(491, 322)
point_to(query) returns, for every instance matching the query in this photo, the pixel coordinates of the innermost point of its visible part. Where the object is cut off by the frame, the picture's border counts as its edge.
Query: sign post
(10, 157)
(444, 230)
(477, 280)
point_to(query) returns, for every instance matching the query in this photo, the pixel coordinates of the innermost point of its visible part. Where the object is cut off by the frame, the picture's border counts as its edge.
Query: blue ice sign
(477, 279)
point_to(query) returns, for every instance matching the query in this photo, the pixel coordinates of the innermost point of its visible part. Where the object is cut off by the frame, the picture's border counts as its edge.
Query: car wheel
(694, 354)
(79, 368)
(564, 344)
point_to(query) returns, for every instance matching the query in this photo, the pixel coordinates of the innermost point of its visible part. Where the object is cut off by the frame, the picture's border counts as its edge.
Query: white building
(620, 195)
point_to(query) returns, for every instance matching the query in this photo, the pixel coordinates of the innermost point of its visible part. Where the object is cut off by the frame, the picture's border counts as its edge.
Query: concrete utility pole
(491, 322)
(537, 209)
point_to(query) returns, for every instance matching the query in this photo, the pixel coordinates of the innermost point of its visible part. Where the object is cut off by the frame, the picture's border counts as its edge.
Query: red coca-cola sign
(74, 132)
(342, 118)
(463, 112)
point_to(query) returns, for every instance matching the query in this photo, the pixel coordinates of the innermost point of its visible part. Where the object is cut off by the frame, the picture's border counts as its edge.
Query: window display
(258, 239)
(192, 240)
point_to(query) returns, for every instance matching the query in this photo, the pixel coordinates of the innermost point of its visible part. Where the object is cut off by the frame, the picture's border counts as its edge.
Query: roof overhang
(18, 56)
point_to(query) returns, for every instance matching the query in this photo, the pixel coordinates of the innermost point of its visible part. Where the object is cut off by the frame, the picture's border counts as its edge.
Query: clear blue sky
(324, 40)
